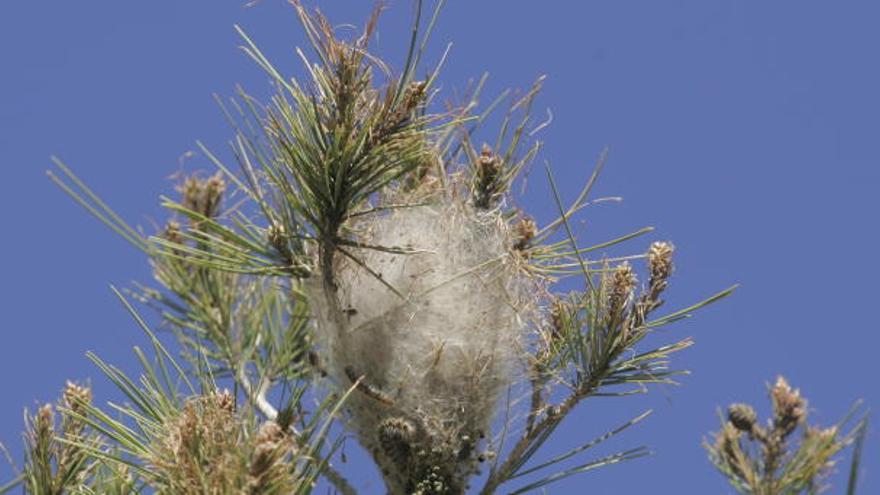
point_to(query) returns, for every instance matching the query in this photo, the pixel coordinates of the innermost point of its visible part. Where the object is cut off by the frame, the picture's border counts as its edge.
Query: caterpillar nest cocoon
(434, 352)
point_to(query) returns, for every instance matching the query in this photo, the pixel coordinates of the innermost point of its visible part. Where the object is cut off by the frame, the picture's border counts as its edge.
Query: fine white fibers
(439, 348)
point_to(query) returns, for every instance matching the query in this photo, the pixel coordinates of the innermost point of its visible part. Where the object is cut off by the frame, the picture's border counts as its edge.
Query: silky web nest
(429, 320)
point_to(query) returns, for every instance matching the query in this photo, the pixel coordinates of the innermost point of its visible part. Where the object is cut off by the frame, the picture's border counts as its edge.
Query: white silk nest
(436, 333)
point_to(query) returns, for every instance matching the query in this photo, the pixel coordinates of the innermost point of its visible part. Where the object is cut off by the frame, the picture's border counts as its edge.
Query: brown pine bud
(621, 284)
(395, 437)
(789, 408)
(660, 260)
(45, 424)
(742, 416)
(172, 232)
(558, 318)
(76, 398)
(488, 185)
(225, 400)
(523, 232)
(203, 196)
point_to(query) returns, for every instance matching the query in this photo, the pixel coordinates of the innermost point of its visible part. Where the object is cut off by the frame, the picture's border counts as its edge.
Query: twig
(553, 417)
(537, 399)
(257, 397)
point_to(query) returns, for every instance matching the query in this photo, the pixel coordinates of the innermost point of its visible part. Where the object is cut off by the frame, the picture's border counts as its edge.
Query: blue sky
(744, 131)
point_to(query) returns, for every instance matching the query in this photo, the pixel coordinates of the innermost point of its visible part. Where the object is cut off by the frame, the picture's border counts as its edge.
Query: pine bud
(660, 260)
(395, 437)
(742, 416)
(620, 286)
(76, 397)
(523, 232)
(789, 408)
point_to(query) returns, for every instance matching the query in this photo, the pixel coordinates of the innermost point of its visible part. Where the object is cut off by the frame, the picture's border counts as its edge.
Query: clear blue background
(745, 131)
